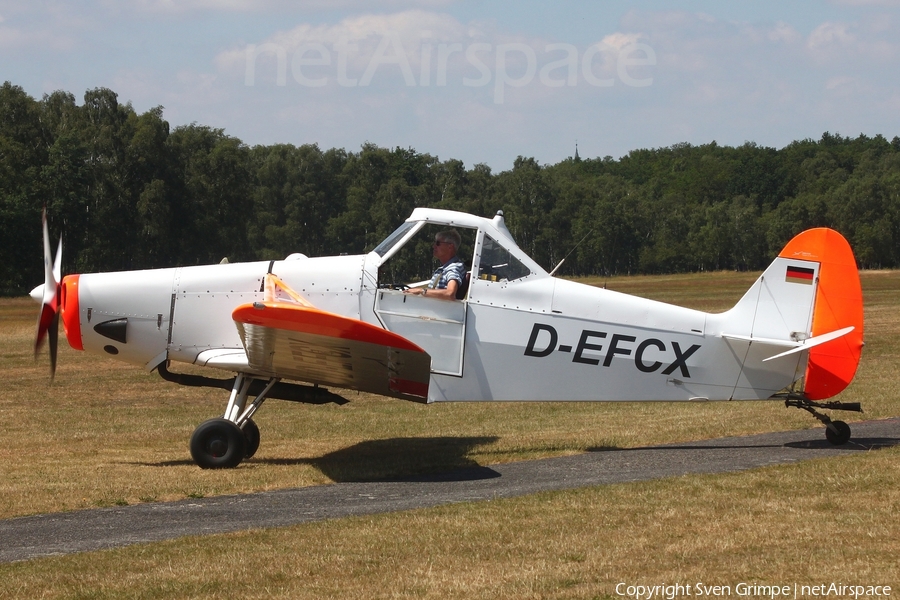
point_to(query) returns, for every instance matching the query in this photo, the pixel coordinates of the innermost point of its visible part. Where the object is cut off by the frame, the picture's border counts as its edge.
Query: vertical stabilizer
(838, 304)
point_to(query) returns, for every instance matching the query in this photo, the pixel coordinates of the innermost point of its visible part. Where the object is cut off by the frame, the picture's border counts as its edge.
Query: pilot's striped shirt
(453, 269)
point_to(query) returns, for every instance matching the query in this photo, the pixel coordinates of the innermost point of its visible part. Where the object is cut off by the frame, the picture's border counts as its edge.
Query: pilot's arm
(448, 293)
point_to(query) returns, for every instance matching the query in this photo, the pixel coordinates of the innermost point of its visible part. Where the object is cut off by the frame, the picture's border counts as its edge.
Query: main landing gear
(222, 443)
(836, 432)
(216, 444)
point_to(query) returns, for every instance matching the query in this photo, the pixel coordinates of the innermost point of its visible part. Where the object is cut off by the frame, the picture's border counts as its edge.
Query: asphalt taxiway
(25, 538)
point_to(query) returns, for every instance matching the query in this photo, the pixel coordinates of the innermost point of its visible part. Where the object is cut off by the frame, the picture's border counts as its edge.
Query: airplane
(514, 333)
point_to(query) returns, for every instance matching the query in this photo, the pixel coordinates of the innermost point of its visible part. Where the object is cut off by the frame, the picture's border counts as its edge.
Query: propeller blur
(47, 294)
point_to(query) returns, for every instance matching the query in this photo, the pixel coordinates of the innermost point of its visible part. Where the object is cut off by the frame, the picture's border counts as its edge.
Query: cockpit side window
(414, 263)
(498, 264)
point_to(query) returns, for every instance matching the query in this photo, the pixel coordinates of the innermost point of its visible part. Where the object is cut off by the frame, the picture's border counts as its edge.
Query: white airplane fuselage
(514, 333)
(533, 337)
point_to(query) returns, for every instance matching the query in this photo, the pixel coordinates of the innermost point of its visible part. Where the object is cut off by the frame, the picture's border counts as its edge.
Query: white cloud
(41, 28)
(876, 3)
(41, 39)
(263, 6)
(438, 84)
(619, 40)
(711, 78)
(783, 32)
(830, 35)
(426, 49)
(862, 45)
(180, 6)
(764, 81)
(840, 82)
(363, 35)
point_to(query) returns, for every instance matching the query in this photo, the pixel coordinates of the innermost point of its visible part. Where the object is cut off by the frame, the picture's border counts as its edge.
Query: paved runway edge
(79, 531)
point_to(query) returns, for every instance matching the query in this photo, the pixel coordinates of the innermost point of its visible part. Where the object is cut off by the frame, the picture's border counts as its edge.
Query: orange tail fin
(838, 304)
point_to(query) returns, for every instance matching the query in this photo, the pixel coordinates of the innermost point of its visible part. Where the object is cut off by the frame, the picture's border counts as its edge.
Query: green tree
(215, 185)
(23, 150)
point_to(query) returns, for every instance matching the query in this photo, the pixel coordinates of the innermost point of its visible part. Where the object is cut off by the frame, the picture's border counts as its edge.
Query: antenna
(559, 264)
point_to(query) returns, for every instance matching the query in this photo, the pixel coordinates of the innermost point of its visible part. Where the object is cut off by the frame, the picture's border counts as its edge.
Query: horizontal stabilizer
(761, 340)
(813, 341)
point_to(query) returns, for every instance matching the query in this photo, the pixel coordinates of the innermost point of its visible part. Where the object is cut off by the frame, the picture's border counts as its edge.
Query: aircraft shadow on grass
(393, 459)
(446, 458)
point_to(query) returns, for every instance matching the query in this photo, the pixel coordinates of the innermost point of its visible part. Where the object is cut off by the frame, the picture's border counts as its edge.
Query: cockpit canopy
(488, 249)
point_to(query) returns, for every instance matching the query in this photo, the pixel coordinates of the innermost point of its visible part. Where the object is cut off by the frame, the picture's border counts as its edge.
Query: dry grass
(832, 520)
(105, 433)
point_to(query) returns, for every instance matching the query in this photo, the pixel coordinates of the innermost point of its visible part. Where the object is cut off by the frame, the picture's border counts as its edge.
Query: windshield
(391, 240)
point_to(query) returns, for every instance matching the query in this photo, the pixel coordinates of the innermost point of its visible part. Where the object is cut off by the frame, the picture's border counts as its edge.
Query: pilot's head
(446, 244)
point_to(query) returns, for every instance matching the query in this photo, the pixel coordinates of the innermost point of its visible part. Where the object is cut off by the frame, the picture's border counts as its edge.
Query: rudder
(838, 304)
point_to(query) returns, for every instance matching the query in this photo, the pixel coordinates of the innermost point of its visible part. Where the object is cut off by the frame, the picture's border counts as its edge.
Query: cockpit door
(437, 326)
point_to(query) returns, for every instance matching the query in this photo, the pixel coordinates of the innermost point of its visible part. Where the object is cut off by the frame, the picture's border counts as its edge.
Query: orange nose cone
(69, 311)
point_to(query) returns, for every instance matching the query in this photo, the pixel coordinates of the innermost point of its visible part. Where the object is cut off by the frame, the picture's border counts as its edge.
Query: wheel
(839, 437)
(218, 444)
(251, 435)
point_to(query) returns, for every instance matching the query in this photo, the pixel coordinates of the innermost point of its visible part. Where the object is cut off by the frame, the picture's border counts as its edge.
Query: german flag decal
(800, 275)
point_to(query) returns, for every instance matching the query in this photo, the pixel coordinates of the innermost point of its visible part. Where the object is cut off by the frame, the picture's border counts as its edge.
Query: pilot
(447, 278)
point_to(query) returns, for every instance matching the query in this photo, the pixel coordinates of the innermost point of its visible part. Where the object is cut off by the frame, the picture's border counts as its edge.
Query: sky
(482, 81)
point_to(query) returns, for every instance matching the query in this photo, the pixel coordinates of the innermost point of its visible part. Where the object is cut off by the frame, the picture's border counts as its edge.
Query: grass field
(106, 434)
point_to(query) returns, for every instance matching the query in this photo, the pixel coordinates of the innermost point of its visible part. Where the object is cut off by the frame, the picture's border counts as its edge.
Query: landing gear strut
(224, 442)
(836, 432)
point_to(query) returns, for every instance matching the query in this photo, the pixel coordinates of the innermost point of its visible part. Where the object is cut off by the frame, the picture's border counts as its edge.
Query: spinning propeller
(48, 295)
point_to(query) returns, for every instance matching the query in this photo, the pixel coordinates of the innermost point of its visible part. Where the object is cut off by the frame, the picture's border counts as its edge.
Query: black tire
(218, 444)
(839, 437)
(251, 435)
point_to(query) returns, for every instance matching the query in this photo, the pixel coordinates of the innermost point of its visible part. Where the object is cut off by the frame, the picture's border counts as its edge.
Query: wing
(299, 341)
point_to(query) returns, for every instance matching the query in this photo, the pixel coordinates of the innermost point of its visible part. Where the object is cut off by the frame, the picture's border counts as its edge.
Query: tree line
(128, 192)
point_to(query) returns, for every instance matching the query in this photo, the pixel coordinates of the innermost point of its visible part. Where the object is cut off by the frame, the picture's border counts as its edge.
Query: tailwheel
(251, 435)
(218, 444)
(838, 433)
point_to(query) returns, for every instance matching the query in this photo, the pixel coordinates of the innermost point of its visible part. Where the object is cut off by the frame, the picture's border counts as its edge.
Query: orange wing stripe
(307, 319)
(296, 341)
